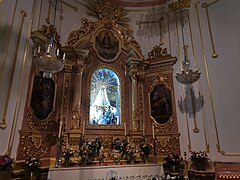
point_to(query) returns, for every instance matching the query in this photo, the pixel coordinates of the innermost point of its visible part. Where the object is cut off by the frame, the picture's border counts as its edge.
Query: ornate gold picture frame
(107, 45)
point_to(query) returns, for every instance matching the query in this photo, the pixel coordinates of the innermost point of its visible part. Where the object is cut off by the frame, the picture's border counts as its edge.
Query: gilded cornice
(111, 17)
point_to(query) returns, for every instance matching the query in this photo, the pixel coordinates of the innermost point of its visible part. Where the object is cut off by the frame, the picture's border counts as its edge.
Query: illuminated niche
(105, 98)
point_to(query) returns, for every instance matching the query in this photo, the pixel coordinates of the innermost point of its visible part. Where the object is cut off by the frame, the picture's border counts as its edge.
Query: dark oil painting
(107, 45)
(42, 97)
(161, 103)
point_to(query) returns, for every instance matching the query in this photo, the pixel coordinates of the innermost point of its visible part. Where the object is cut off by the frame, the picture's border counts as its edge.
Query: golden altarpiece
(140, 97)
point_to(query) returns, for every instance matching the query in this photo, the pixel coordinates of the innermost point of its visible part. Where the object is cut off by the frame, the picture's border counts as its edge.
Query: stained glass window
(105, 98)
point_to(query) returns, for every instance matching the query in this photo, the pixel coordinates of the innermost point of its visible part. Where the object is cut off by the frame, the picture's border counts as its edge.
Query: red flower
(5, 161)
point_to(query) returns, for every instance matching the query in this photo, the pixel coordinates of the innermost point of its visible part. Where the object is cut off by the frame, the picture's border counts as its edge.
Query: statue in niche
(42, 97)
(160, 102)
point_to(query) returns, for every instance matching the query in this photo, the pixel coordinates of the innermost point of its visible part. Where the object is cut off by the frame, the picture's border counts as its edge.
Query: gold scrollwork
(104, 10)
(47, 32)
(66, 93)
(35, 145)
(158, 52)
(36, 124)
(75, 36)
(168, 145)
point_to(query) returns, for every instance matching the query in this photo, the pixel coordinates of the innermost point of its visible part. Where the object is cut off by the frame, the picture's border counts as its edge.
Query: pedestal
(201, 175)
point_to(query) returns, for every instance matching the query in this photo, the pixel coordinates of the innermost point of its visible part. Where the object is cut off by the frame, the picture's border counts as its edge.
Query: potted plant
(32, 167)
(131, 153)
(67, 154)
(200, 160)
(145, 149)
(119, 148)
(84, 152)
(173, 162)
(5, 167)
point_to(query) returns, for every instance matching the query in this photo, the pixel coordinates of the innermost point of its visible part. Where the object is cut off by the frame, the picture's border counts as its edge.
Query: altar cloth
(117, 172)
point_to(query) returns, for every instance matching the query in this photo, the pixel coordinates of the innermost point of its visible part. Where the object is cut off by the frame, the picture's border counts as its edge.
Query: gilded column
(141, 79)
(66, 93)
(76, 118)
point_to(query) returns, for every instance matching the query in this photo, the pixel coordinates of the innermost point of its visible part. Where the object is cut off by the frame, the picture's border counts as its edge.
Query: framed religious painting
(161, 108)
(42, 99)
(107, 45)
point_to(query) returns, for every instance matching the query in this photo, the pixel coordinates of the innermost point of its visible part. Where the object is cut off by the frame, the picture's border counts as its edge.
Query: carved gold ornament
(158, 52)
(103, 9)
(35, 145)
(36, 124)
(181, 4)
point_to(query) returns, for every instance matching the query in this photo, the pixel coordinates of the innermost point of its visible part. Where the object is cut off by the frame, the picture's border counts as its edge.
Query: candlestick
(153, 131)
(60, 129)
(125, 129)
(83, 128)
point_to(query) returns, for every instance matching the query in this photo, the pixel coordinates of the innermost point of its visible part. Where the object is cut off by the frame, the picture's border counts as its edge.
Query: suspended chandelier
(47, 56)
(187, 76)
(49, 61)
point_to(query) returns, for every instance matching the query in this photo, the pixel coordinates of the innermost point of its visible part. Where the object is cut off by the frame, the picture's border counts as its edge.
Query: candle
(57, 51)
(39, 49)
(64, 56)
(60, 129)
(48, 49)
(34, 52)
(153, 131)
(83, 128)
(125, 129)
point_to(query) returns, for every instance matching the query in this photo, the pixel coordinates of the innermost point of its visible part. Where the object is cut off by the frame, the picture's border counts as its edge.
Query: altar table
(120, 172)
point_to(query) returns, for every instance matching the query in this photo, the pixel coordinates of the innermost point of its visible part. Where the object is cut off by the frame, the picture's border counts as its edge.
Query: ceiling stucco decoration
(106, 10)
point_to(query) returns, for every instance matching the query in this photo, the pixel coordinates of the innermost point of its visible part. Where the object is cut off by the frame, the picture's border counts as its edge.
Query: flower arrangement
(131, 152)
(119, 145)
(94, 147)
(84, 152)
(173, 162)
(145, 149)
(200, 160)
(5, 162)
(67, 154)
(32, 165)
